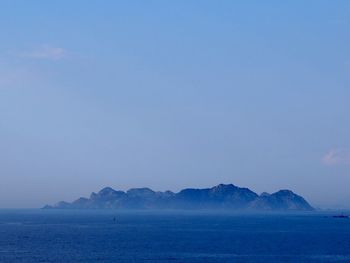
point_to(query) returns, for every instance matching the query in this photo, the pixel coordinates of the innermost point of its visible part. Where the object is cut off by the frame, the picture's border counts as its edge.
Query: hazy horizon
(171, 95)
(87, 195)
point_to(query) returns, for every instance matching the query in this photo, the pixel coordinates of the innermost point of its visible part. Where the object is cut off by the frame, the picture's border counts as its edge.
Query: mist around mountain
(222, 196)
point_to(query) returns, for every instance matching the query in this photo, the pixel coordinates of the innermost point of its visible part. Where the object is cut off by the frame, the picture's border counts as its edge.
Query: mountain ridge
(222, 196)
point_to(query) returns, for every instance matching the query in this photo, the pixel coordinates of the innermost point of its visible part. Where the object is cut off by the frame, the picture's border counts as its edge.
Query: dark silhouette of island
(222, 196)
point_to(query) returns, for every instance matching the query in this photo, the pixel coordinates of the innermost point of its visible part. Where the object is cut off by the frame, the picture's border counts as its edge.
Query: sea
(171, 236)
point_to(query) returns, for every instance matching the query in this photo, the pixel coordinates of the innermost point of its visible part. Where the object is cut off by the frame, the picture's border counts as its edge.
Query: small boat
(341, 216)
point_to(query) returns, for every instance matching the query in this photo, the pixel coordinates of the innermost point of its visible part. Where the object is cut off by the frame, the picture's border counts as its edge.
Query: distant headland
(222, 196)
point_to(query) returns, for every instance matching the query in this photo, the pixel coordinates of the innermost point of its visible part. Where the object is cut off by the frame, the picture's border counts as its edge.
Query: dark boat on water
(341, 216)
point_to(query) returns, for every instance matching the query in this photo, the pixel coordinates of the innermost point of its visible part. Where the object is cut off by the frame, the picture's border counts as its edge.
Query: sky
(174, 94)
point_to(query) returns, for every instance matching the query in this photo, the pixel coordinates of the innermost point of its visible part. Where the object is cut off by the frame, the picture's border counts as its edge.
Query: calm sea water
(93, 236)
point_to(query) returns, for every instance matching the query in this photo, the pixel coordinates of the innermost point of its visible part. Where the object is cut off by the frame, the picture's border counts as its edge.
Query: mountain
(222, 196)
(281, 200)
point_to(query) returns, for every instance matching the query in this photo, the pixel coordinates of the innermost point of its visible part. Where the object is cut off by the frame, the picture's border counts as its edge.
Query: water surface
(172, 236)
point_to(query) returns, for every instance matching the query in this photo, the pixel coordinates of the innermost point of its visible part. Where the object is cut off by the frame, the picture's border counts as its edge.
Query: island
(222, 196)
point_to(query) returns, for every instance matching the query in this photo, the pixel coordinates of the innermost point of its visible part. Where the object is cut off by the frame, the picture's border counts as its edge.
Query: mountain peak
(285, 192)
(223, 187)
(106, 190)
(140, 191)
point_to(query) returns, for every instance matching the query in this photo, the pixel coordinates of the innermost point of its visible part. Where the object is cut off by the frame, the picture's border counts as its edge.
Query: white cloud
(337, 156)
(46, 52)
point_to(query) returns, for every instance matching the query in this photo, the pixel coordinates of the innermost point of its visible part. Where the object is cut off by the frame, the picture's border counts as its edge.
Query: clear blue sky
(173, 94)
